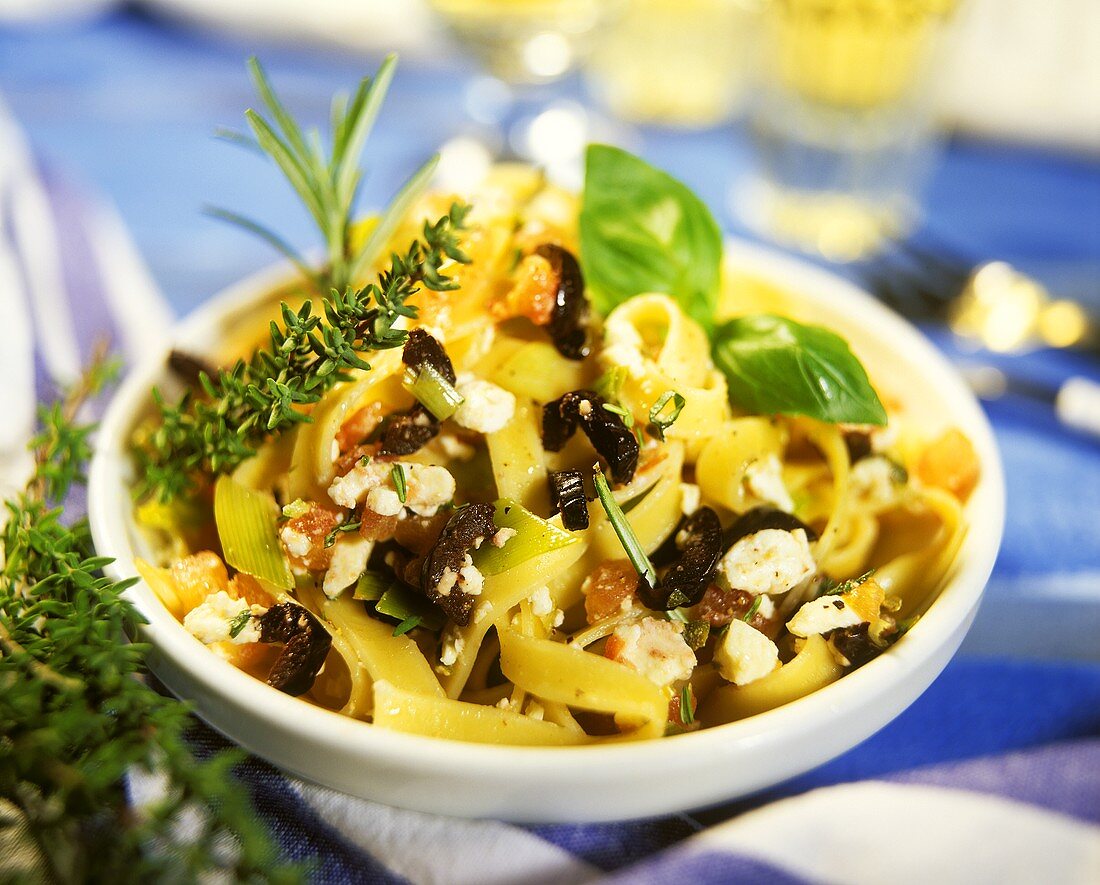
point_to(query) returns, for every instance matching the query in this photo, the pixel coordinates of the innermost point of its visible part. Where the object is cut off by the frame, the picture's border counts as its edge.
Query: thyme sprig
(74, 719)
(308, 354)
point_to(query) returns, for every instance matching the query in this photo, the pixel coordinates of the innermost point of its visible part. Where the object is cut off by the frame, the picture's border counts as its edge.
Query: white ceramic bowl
(574, 784)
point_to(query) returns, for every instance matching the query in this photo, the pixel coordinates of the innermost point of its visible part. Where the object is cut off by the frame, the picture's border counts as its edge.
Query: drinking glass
(841, 123)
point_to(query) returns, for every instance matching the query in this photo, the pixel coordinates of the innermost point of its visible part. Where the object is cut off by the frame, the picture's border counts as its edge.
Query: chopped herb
(625, 531)
(610, 384)
(675, 614)
(753, 609)
(637, 499)
(239, 622)
(898, 473)
(295, 509)
(687, 715)
(402, 603)
(330, 538)
(661, 418)
(406, 625)
(696, 634)
(399, 482)
(371, 586)
(832, 588)
(616, 409)
(432, 390)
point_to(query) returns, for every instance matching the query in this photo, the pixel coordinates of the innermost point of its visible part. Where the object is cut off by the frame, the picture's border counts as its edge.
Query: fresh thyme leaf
(661, 418)
(687, 715)
(616, 409)
(753, 609)
(75, 720)
(399, 482)
(406, 625)
(624, 530)
(330, 538)
(832, 588)
(210, 433)
(237, 625)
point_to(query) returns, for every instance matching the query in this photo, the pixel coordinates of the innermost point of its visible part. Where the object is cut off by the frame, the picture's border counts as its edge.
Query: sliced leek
(246, 527)
(434, 392)
(533, 537)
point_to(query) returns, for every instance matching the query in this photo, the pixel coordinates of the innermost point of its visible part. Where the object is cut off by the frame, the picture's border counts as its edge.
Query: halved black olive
(568, 496)
(858, 443)
(855, 645)
(403, 433)
(686, 580)
(307, 645)
(424, 348)
(760, 518)
(605, 429)
(569, 319)
(461, 534)
(188, 367)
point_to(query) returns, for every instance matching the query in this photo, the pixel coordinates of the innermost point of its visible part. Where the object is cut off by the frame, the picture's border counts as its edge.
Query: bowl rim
(953, 607)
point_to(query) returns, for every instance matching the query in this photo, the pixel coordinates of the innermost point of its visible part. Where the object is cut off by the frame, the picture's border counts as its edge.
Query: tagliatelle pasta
(535, 525)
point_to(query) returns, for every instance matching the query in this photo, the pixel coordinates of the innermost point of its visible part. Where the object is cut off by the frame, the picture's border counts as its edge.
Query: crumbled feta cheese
(558, 619)
(874, 480)
(486, 407)
(384, 502)
(295, 542)
(655, 649)
(764, 480)
(822, 615)
(690, 496)
(766, 609)
(453, 644)
(447, 582)
(585, 408)
(769, 561)
(745, 654)
(210, 621)
(349, 561)
(506, 704)
(428, 487)
(470, 580)
(334, 452)
(454, 448)
(541, 602)
(503, 536)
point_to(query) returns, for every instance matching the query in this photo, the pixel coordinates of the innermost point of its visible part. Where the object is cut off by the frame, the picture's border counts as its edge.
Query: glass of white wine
(525, 48)
(841, 123)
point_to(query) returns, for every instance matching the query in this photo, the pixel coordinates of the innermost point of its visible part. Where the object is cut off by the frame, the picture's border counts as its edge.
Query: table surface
(129, 104)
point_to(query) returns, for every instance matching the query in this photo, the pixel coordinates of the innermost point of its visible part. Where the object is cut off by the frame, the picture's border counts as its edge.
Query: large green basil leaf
(641, 230)
(774, 365)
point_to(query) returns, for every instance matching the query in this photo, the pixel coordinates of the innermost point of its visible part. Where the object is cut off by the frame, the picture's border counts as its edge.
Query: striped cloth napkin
(993, 775)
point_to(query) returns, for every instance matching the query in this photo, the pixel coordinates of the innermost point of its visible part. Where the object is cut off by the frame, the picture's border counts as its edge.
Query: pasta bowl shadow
(585, 783)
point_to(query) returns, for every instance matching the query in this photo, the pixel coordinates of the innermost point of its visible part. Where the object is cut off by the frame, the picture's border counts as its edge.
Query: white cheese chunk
(211, 620)
(822, 615)
(769, 561)
(690, 496)
(655, 649)
(745, 654)
(764, 480)
(349, 561)
(428, 487)
(486, 407)
(384, 502)
(541, 603)
(874, 480)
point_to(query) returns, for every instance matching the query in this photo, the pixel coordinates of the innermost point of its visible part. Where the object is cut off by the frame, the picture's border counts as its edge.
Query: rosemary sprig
(308, 355)
(327, 183)
(74, 719)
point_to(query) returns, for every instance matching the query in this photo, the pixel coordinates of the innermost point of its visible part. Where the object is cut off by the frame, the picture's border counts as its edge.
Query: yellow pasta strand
(720, 469)
(518, 459)
(537, 371)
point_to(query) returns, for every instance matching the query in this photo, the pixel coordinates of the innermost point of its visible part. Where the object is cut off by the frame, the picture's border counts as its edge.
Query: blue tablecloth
(129, 105)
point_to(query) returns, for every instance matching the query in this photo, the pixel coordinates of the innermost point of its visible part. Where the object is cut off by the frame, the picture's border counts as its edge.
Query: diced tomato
(375, 527)
(197, 576)
(315, 524)
(533, 295)
(611, 585)
(246, 587)
(950, 463)
(419, 533)
(359, 426)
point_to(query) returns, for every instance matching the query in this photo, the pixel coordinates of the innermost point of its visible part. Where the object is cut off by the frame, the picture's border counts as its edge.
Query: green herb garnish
(774, 365)
(687, 715)
(397, 474)
(401, 604)
(434, 392)
(624, 530)
(641, 230)
(330, 538)
(625, 414)
(829, 587)
(753, 609)
(661, 417)
(295, 509)
(237, 625)
(696, 634)
(371, 586)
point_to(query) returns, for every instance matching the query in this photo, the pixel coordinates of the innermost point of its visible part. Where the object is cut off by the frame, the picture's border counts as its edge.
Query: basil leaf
(774, 365)
(641, 230)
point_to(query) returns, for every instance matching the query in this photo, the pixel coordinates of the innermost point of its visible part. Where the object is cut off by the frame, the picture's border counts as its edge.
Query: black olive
(188, 367)
(307, 645)
(687, 578)
(858, 443)
(605, 429)
(403, 433)
(461, 533)
(855, 645)
(568, 496)
(760, 518)
(423, 348)
(569, 319)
